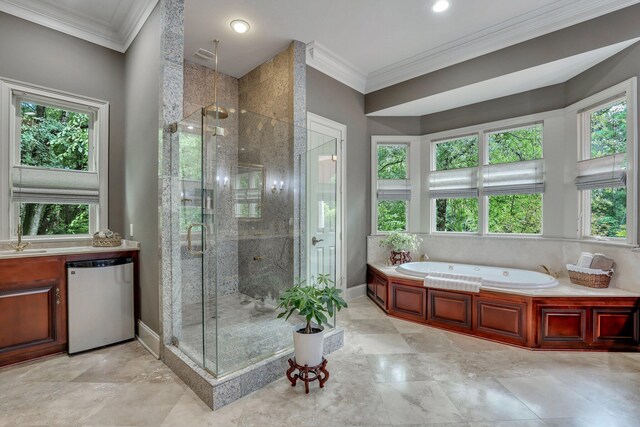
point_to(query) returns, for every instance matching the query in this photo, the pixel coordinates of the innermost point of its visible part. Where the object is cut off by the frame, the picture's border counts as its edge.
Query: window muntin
(392, 161)
(515, 214)
(458, 215)
(457, 153)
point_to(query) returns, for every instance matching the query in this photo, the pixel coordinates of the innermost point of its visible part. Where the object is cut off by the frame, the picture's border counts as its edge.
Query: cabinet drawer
(503, 319)
(615, 325)
(409, 302)
(449, 309)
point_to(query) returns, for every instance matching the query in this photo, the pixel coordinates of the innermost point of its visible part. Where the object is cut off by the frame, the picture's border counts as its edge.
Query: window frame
(12, 93)
(481, 132)
(413, 176)
(627, 91)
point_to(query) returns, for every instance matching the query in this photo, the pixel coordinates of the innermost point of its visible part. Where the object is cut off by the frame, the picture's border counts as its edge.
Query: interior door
(324, 203)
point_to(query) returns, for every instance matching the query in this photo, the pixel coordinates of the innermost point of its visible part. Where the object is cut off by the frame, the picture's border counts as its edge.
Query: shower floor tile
(247, 331)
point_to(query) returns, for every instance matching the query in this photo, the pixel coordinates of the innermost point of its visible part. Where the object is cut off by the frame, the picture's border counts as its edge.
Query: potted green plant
(401, 244)
(316, 303)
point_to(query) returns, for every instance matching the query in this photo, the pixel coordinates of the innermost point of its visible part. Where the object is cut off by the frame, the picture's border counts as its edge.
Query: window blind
(602, 172)
(394, 189)
(39, 185)
(454, 183)
(525, 177)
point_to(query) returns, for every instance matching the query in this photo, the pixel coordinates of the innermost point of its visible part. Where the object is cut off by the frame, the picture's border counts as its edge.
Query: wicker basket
(109, 241)
(592, 279)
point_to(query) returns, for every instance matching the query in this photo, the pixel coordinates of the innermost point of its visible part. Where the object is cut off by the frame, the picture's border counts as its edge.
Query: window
(602, 169)
(514, 179)
(54, 178)
(391, 177)
(454, 184)
(489, 187)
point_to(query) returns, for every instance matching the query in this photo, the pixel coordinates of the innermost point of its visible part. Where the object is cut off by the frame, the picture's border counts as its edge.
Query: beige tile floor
(390, 372)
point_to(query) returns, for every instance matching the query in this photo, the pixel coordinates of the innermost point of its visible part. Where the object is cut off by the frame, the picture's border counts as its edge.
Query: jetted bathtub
(494, 277)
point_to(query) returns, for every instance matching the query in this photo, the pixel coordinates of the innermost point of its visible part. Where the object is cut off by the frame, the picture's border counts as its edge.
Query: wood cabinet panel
(559, 326)
(381, 292)
(504, 319)
(33, 308)
(408, 302)
(451, 309)
(615, 325)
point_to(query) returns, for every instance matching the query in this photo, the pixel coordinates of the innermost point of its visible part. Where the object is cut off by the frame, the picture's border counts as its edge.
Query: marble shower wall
(257, 257)
(267, 247)
(221, 152)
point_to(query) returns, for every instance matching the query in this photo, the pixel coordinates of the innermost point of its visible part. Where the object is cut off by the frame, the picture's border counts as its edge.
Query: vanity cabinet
(33, 303)
(33, 308)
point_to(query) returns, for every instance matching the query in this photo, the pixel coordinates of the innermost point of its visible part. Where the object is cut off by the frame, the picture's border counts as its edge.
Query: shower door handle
(204, 238)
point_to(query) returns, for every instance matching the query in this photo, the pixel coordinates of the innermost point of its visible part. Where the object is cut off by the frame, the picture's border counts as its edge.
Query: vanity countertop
(564, 289)
(48, 249)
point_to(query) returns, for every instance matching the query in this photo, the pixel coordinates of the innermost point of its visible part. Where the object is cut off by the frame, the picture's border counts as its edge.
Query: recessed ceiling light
(240, 26)
(440, 6)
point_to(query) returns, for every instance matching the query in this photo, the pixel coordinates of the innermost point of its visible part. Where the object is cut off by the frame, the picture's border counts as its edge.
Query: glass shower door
(187, 234)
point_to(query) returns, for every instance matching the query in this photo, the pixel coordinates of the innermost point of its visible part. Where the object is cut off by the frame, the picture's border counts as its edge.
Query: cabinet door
(408, 302)
(450, 309)
(561, 326)
(381, 292)
(615, 325)
(504, 320)
(32, 308)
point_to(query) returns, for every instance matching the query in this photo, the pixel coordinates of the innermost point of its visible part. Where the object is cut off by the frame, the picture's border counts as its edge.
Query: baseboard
(356, 292)
(149, 339)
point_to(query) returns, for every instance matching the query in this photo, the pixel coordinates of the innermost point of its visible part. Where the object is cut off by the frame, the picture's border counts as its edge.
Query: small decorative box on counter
(106, 239)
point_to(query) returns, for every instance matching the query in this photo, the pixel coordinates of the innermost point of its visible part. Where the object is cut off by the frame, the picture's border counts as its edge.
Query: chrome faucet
(19, 246)
(424, 257)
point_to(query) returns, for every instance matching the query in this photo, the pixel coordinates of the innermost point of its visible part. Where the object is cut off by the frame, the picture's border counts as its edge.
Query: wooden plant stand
(307, 374)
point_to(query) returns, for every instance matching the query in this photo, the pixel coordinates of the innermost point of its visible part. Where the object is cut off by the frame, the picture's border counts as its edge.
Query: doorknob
(315, 241)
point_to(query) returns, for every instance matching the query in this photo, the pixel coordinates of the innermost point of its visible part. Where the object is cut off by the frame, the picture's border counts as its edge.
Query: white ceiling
(109, 23)
(521, 81)
(371, 44)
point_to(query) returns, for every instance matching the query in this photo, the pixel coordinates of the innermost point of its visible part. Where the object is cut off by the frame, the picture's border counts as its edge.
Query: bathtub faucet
(549, 272)
(424, 257)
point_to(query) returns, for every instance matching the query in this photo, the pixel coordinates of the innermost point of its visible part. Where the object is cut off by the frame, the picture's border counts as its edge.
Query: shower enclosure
(254, 206)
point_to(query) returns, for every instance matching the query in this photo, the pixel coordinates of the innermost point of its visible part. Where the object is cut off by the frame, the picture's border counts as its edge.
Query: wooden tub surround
(566, 318)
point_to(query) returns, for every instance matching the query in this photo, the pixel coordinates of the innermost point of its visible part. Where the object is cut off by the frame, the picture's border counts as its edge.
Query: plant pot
(400, 257)
(308, 347)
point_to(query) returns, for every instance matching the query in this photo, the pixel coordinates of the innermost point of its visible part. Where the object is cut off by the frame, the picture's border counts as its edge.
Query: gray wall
(142, 92)
(335, 101)
(521, 104)
(38, 55)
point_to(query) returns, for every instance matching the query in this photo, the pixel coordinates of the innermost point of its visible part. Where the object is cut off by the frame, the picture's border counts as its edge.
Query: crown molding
(556, 16)
(327, 62)
(84, 28)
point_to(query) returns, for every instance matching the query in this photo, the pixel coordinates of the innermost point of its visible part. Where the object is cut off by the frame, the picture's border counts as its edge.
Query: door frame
(316, 123)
